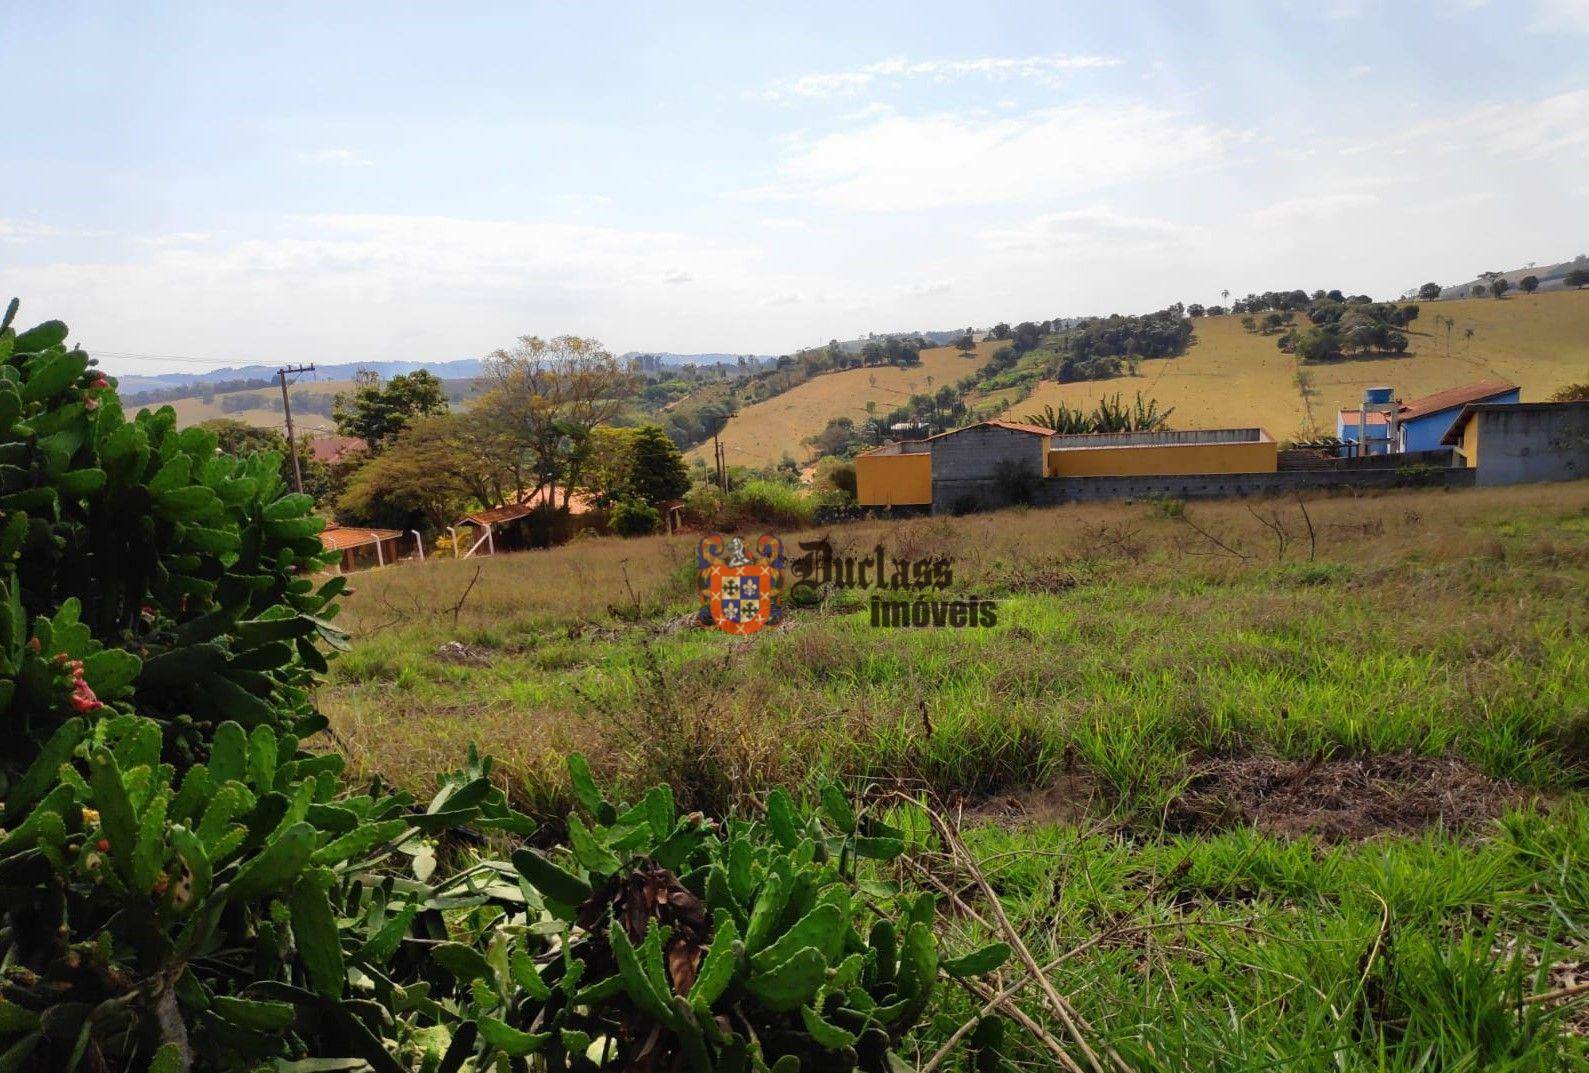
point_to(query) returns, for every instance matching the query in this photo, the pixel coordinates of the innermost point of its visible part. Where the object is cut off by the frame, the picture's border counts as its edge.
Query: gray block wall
(976, 453)
(1526, 443)
(950, 497)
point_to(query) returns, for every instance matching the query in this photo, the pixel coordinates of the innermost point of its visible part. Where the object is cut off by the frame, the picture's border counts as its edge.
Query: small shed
(512, 526)
(362, 548)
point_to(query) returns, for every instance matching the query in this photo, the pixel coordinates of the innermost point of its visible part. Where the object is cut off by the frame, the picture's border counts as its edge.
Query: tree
(1429, 292)
(1529, 284)
(1477, 290)
(634, 517)
(545, 396)
(1576, 278)
(609, 465)
(1499, 286)
(1571, 393)
(657, 472)
(1001, 331)
(435, 469)
(1195, 310)
(375, 414)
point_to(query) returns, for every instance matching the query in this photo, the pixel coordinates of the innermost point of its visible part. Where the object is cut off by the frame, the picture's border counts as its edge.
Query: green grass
(1127, 649)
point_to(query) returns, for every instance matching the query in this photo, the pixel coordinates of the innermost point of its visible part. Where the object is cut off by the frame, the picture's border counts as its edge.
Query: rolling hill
(762, 433)
(1230, 377)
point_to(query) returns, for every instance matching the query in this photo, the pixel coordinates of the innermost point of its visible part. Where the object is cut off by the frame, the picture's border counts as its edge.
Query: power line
(185, 359)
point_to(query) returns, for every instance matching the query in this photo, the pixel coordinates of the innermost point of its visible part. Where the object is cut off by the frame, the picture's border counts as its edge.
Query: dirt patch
(1071, 800)
(1339, 800)
(463, 654)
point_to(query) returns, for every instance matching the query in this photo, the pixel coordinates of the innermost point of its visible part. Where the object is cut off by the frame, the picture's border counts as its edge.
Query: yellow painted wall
(1470, 443)
(893, 480)
(1169, 460)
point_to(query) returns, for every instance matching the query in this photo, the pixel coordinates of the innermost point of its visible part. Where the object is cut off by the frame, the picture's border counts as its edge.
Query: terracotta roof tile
(1453, 397)
(339, 537)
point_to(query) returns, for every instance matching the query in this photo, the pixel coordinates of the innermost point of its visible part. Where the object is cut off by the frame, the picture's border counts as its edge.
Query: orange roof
(332, 448)
(1452, 397)
(1013, 426)
(529, 503)
(1375, 417)
(339, 537)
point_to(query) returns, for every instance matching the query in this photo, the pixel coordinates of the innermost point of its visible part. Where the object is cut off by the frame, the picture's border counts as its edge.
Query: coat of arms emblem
(741, 589)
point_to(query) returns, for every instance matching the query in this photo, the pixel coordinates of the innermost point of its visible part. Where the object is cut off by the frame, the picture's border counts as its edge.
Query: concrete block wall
(950, 496)
(1526, 443)
(976, 453)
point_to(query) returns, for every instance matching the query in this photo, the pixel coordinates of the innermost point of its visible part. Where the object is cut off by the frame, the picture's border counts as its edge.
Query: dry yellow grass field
(763, 433)
(1233, 377)
(192, 411)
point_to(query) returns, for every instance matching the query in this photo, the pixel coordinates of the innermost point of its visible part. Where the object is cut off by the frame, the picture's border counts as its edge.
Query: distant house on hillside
(1414, 424)
(333, 449)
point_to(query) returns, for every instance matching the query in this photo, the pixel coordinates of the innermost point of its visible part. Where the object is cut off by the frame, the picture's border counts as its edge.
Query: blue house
(1422, 423)
(1417, 424)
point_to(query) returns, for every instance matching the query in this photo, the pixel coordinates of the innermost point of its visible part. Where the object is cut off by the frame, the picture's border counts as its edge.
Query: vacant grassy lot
(1230, 376)
(762, 434)
(1320, 807)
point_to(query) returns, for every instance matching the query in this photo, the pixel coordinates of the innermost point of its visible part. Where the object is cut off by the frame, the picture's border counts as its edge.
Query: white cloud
(1046, 70)
(367, 285)
(925, 287)
(579, 204)
(1306, 209)
(1519, 130)
(28, 230)
(1557, 15)
(785, 223)
(345, 158)
(176, 238)
(1095, 231)
(925, 162)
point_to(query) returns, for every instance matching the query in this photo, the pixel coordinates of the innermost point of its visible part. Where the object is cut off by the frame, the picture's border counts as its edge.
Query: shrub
(634, 517)
(1017, 481)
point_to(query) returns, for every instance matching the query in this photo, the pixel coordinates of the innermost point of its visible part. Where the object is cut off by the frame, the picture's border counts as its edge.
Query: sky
(218, 184)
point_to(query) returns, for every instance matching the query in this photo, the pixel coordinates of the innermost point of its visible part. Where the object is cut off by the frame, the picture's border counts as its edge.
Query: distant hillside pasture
(264, 405)
(761, 434)
(1232, 377)
(263, 414)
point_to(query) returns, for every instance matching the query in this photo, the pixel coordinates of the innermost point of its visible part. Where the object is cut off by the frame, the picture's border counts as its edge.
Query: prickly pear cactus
(682, 943)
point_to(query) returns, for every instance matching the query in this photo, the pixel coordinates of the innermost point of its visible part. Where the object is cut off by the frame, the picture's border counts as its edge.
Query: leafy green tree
(432, 472)
(658, 472)
(1429, 292)
(635, 517)
(1528, 284)
(377, 413)
(1576, 278)
(1499, 286)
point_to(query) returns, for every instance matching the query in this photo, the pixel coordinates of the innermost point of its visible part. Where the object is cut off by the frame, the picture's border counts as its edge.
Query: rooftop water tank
(1378, 396)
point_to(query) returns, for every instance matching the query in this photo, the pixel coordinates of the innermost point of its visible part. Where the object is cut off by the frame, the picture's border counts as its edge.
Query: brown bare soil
(1072, 799)
(1339, 800)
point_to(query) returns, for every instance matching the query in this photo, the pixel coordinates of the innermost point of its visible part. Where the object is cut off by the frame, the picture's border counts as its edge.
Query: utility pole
(286, 406)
